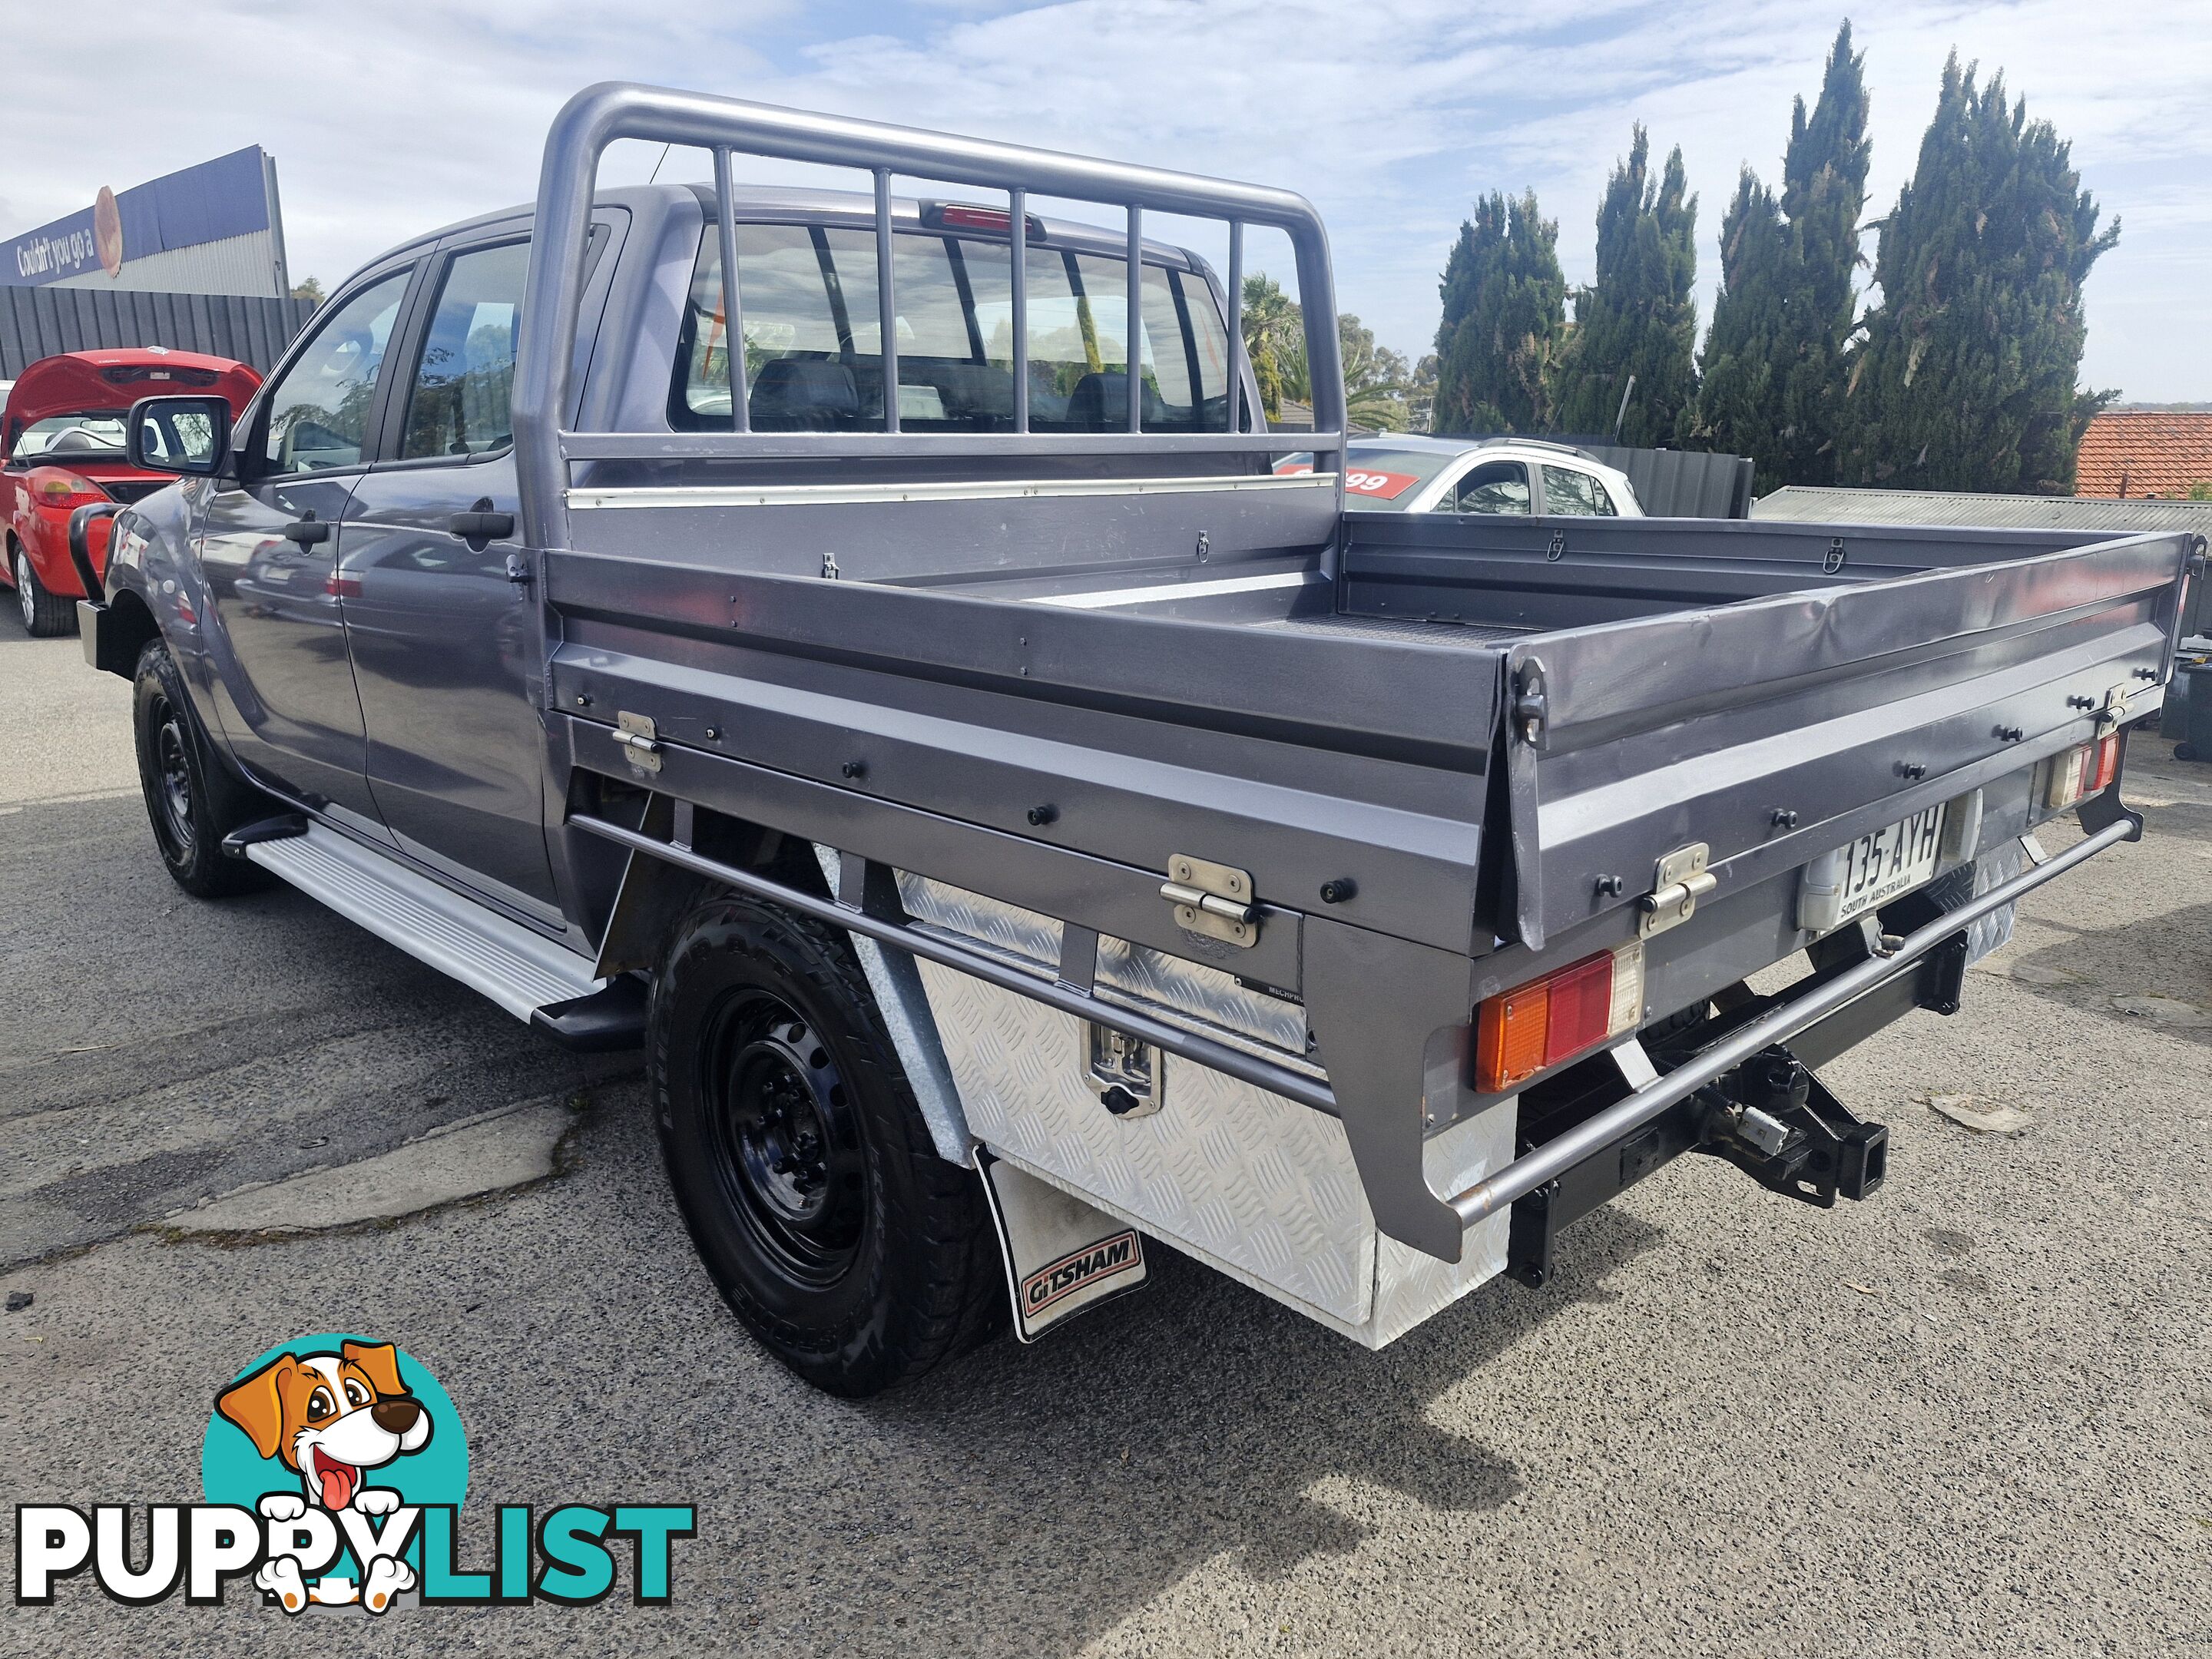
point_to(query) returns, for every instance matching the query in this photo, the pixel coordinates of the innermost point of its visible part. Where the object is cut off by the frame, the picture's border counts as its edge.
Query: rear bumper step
(520, 970)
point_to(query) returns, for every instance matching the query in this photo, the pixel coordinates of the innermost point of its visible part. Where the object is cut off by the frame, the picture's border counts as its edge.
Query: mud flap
(1061, 1255)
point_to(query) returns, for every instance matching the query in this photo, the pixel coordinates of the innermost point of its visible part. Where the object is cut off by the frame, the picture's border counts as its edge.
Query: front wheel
(191, 801)
(856, 1255)
(45, 615)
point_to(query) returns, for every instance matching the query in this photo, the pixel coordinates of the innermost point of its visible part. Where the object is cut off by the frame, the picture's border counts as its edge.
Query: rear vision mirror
(189, 436)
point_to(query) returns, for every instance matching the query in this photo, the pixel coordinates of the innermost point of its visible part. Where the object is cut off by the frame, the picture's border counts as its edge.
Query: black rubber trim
(609, 1019)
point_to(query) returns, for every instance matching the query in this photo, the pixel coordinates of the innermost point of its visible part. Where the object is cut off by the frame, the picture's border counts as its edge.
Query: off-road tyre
(192, 800)
(770, 1070)
(45, 615)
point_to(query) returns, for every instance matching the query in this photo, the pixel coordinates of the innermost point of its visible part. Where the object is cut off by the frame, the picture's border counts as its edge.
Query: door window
(318, 411)
(1577, 495)
(459, 402)
(1494, 487)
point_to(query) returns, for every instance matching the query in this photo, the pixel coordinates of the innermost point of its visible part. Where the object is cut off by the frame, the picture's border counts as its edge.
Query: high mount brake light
(1548, 1021)
(960, 216)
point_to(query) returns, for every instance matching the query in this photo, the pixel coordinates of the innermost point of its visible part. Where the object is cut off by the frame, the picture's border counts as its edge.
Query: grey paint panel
(1858, 704)
(925, 535)
(1097, 893)
(1386, 695)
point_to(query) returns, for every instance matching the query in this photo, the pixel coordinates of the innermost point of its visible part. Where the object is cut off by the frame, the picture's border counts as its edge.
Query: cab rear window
(813, 338)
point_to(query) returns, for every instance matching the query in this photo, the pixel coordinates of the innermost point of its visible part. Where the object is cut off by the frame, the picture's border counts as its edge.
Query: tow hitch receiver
(1771, 1117)
(1776, 1122)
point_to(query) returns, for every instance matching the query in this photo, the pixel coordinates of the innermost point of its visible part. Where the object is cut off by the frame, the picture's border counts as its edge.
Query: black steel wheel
(191, 801)
(787, 1138)
(173, 808)
(800, 1161)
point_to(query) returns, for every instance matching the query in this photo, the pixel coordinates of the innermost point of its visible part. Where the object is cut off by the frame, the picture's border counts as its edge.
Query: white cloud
(387, 119)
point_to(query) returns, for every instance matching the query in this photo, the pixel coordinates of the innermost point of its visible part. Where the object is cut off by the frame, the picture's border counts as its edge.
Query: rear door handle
(307, 532)
(480, 525)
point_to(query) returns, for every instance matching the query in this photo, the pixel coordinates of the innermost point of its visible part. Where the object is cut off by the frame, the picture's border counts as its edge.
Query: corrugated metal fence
(1683, 484)
(2079, 514)
(37, 322)
(1671, 483)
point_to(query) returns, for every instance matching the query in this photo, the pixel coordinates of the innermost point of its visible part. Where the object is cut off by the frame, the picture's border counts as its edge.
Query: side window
(460, 400)
(1577, 494)
(318, 411)
(1493, 487)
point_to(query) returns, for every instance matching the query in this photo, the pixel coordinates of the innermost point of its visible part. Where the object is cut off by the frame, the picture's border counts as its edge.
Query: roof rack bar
(545, 370)
(1018, 209)
(733, 320)
(886, 301)
(1134, 278)
(820, 446)
(1237, 416)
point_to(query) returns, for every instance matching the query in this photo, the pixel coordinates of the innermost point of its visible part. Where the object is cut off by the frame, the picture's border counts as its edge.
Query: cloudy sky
(390, 116)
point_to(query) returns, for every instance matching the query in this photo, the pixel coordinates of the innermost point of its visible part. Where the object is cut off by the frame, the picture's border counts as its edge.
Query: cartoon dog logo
(330, 1418)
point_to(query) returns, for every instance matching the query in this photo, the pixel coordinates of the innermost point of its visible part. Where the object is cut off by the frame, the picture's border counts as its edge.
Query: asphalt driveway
(1971, 1416)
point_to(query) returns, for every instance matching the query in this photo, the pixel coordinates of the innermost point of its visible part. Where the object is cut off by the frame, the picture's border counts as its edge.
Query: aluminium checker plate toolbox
(1257, 1186)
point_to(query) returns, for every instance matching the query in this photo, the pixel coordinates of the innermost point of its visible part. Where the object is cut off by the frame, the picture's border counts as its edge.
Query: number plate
(1847, 883)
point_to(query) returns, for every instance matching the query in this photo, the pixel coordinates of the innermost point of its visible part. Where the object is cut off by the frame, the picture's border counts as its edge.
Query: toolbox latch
(1214, 900)
(1679, 880)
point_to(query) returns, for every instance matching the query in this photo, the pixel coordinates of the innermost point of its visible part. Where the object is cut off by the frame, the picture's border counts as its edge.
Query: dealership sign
(231, 196)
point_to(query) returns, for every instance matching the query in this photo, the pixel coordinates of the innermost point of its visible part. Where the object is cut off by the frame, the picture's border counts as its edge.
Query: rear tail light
(1549, 1021)
(55, 488)
(2107, 764)
(2083, 772)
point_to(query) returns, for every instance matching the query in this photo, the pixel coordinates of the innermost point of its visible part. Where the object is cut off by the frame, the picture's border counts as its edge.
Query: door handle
(307, 531)
(480, 525)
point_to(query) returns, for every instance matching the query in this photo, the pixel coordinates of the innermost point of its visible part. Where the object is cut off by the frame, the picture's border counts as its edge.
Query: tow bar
(1777, 1122)
(1769, 1115)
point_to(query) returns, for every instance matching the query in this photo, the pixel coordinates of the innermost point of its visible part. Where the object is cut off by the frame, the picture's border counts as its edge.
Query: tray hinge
(639, 741)
(1214, 900)
(1679, 880)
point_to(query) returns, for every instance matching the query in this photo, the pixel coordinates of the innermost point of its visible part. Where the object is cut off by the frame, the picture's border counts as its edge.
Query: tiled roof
(2139, 452)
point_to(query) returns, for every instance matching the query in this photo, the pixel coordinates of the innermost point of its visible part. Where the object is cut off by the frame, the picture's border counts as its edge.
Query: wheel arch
(655, 896)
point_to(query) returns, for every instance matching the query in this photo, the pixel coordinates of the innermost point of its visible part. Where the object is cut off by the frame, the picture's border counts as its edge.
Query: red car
(62, 433)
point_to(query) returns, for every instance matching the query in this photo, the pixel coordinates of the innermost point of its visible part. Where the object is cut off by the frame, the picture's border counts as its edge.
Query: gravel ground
(1970, 1416)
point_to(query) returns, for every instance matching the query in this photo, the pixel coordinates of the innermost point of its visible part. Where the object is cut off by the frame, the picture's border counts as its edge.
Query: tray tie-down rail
(1394, 1024)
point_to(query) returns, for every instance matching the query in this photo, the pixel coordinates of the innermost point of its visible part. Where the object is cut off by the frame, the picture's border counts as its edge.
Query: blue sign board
(217, 200)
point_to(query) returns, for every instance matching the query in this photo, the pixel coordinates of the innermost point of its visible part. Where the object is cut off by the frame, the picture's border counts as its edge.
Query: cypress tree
(1823, 193)
(1504, 307)
(1740, 398)
(1967, 378)
(1639, 316)
(1774, 368)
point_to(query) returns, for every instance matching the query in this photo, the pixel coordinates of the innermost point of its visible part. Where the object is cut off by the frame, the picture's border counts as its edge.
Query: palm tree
(1275, 341)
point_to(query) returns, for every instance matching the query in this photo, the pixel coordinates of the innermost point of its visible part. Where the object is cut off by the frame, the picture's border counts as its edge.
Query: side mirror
(189, 436)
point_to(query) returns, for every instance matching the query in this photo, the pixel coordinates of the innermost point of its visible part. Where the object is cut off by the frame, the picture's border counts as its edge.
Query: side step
(520, 970)
(610, 1018)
